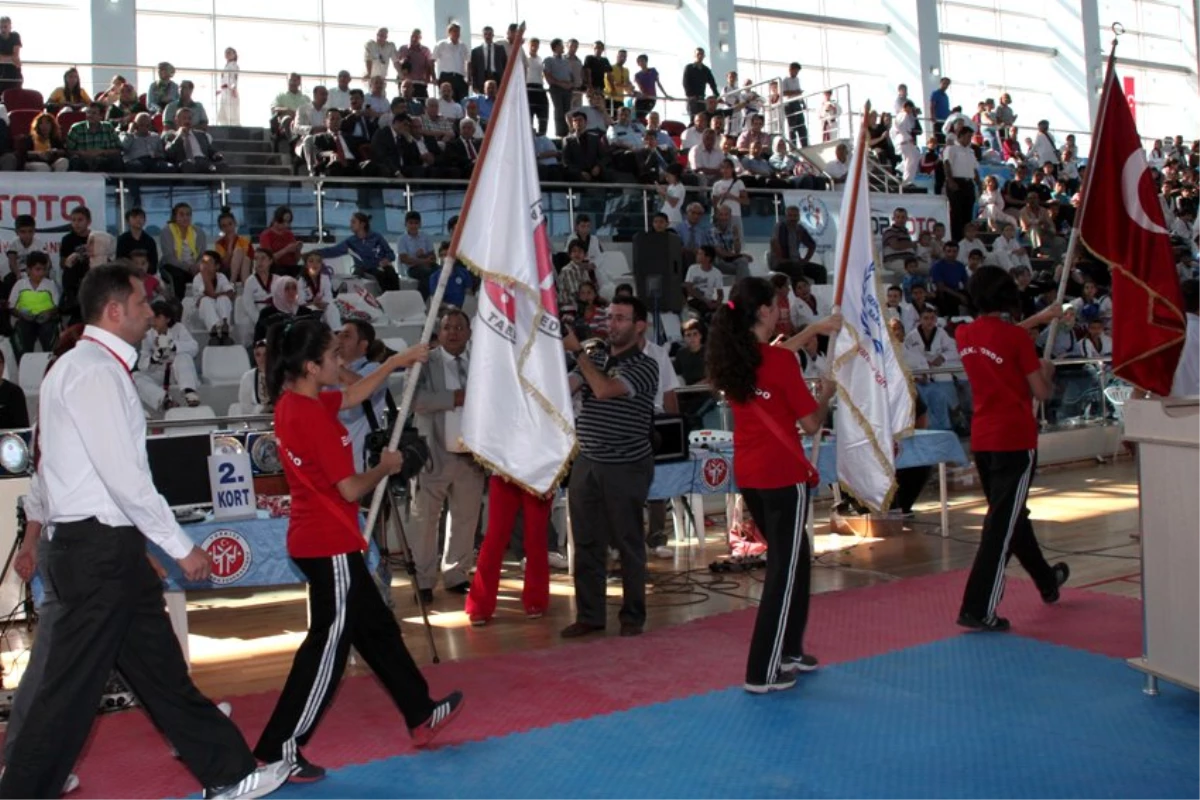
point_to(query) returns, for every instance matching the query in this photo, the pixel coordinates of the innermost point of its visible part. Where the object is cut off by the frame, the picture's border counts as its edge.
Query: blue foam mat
(972, 716)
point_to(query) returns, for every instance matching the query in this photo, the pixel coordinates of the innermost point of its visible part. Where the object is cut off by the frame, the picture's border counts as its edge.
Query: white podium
(1167, 432)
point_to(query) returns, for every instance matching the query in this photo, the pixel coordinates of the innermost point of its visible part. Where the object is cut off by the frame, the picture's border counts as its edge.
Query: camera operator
(354, 340)
(611, 478)
(326, 544)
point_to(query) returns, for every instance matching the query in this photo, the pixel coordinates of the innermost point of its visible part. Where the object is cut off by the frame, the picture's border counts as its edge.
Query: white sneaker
(259, 783)
(662, 551)
(558, 561)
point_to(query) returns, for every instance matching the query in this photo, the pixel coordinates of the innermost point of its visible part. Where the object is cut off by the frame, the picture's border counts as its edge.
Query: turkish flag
(1122, 222)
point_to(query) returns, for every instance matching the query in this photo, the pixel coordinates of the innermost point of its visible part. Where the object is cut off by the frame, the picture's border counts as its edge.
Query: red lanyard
(111, 352)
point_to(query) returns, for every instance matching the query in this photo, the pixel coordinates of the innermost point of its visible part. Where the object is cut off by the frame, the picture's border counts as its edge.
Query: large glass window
(50, 32)
(1162, 31)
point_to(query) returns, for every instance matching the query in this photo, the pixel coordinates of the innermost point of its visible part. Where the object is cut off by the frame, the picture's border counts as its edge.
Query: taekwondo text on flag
(517, 414)
(875, 396)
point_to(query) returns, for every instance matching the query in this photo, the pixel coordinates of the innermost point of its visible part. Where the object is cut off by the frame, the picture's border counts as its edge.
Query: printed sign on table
(232, 483)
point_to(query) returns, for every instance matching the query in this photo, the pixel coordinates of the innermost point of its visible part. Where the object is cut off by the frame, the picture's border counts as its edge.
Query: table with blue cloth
(246, 553)
(710, 471)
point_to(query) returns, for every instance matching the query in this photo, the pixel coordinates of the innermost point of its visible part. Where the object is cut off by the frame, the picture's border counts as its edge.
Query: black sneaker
(460, 588)
(1062, 571)
(577, 629)
(304, 771)
(780, 684)
(994, 624)
(426, 596)
(793, 664)
(443, 714)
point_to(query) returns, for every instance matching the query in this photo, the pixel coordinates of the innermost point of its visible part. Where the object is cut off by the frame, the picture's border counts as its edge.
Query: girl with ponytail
(326, 544)
(768, 396)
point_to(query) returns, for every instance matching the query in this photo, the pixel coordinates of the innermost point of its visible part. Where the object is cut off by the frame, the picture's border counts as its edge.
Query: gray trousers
(460, 481)
(737, 267)
(38, 655)
(606, 502)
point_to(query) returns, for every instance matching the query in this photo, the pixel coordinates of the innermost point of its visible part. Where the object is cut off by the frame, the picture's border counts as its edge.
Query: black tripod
(394, 501)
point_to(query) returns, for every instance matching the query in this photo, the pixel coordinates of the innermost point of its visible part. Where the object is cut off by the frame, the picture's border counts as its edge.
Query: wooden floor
(243, 641)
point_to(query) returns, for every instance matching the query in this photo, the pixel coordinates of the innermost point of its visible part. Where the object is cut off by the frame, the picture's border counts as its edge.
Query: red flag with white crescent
(1124, 225)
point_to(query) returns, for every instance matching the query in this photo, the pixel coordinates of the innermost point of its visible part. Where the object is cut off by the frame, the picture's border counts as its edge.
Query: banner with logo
(48, 197)
(245, 553)
(820, 214)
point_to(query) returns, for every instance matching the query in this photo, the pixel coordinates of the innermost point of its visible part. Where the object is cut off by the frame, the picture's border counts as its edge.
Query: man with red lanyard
(326, 544)
(1006, 375)
(101, 506)
(769, 398)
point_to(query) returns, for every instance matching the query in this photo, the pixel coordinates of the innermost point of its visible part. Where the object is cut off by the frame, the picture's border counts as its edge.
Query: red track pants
(504, 500)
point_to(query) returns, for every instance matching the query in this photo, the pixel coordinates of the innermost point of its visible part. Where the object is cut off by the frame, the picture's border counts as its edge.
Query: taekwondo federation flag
(517, 415)
(875, 396)
(1122, 222)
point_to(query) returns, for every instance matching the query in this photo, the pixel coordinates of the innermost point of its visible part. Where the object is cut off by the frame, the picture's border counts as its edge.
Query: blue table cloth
(711, 471)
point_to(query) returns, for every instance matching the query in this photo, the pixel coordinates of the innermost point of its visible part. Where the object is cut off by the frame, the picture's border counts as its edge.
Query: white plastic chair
(185, 413)
(235, 410)
(224, 365)
(396, 343)
(405, 307)
(33, 367)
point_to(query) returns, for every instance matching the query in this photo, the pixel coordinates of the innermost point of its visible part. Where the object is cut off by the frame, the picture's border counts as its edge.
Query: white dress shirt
(93, 444)
(452, 421)
(339, 99)
(963, 163)
(1187, 374)
(668, 381)
(380, 56)
(452, 57)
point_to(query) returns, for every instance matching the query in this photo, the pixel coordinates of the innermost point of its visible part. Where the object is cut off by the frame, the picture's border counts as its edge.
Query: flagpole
(1068, 265)
(860, 153)
(435, 302)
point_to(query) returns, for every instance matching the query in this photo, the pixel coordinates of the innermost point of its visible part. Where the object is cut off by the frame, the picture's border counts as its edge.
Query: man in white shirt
(453, 475)
(339, 98)
(962, 176)
(694, 134)
(1187, 374)
(452, 57)
(447, 106)
(704, 284)
(378, 55)
(839, 168)
(901, 99)
(903, 133)
(1044, 149)
(354, 339)
(27, 241)
(101, 506)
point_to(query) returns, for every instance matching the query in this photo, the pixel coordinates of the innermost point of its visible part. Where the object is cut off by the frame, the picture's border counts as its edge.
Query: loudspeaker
(658, 270)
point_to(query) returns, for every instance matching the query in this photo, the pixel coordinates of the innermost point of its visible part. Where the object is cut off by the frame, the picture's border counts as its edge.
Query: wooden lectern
(1167, 433)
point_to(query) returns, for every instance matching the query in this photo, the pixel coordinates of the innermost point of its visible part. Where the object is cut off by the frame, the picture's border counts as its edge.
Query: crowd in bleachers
(225, 285)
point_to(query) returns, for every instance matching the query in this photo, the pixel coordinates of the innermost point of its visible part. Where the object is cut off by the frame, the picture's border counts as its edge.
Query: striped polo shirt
(617, 431)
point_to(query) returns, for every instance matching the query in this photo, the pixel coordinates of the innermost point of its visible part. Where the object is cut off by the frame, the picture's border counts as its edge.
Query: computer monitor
(179, 467)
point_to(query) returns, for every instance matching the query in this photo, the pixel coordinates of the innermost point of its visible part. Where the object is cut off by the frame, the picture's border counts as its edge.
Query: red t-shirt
(998, 356)
(273, 242)
(760, 459)
(316, 456)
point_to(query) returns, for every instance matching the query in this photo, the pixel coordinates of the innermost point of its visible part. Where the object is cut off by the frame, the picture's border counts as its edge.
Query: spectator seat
(157, 122)
(67, 118)
(674, 128)
(405, 307)
(20, 121)
(186, 413)
(10, 360)
(224, 365)
(33, 367)
(22, 99)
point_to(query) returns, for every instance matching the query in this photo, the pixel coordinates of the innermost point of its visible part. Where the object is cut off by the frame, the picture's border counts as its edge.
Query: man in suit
(463, 150)
(453, 474)
(358, 127)
(330, 153)
(192, 150)
(585, 153)
(487, 61)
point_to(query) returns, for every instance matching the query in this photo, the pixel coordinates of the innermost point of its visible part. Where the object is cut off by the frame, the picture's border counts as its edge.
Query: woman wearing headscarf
(285, 305)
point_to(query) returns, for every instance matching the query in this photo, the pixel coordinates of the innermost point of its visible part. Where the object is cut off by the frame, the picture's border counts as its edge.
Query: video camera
(412, 447)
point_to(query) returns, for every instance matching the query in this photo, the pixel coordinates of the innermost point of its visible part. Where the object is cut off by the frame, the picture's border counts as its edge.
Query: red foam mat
(126, 757)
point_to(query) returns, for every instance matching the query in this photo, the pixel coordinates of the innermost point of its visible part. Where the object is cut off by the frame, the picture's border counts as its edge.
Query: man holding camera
(611, 477)
(453, 475)
(354, 340)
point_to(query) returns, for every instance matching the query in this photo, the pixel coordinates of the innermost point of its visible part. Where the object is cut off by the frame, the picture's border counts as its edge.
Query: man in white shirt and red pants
(101, 506)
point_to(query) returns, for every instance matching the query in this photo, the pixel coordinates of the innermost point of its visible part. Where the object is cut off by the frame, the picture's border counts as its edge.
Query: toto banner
(819, 215)
(49, 197)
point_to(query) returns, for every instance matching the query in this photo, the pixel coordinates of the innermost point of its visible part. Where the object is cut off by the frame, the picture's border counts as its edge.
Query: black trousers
(179, 279)
(961, 199)
(457, 82)
(797, 123)
(909, 483)
(345, 608)
(605, 502)
(814, 273)
(27, 334)
(113, 615)
(1005, 477)
(780, 515)
(539, 106)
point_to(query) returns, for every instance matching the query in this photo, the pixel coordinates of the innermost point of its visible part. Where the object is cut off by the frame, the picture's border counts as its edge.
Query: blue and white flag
(875, 394)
